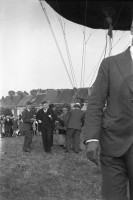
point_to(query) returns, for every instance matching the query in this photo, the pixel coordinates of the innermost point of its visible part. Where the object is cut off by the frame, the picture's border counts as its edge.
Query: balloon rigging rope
(44, 11)
(118, 13)
(90, 36)
(84, 51)
(73, 81)
(127, 46)
(121, 37)
(67, 48)
(96, 66)
(105, 46)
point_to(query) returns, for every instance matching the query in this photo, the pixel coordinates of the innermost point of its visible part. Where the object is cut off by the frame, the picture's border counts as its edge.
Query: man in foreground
(111, 129)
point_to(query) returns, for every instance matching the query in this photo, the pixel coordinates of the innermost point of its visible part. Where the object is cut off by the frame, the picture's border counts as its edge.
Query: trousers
(73, 139)
(117, 175)
(27, 140)
(47, 138)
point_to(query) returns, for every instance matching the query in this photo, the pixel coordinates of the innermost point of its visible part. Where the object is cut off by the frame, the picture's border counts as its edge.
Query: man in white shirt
(109, 132)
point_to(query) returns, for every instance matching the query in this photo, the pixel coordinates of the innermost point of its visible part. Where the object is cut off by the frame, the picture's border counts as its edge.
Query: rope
(96, 66)
(84, 52)
(118, 14)
(90, 36)
(67, 50)
(45, 13)
(105, 46)
(119, 39)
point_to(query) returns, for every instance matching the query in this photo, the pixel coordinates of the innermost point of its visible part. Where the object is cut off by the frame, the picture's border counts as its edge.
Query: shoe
(66, 151)
(26, 150)
(48, 152)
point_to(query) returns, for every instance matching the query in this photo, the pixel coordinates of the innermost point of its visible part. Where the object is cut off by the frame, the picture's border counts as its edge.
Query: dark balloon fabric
(96, 14)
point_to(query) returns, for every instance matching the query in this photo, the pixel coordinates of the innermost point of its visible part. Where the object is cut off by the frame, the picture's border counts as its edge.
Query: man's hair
(28, 103)
(77, 105)
(44, 102)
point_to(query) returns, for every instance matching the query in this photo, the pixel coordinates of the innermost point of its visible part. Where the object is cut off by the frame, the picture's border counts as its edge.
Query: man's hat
(77, 105)
(51, 105)
(28, 103)
(43, 102)
(65, 108)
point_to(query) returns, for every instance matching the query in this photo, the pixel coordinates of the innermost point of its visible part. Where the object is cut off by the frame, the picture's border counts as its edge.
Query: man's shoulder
(24, 111)
(40, 110)
(117, 56)
(51, 112)
(77, 111)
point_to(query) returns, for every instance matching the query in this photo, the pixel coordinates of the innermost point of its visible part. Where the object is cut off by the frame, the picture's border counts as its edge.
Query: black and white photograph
(66, 100)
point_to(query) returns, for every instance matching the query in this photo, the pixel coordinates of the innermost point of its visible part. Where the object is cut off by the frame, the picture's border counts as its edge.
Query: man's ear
(131, 36)
(131, 29)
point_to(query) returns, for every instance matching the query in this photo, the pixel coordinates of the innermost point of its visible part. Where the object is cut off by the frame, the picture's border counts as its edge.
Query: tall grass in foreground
(39, 176)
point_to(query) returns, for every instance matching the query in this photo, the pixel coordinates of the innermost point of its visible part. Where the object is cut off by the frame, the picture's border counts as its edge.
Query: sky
(29, 57)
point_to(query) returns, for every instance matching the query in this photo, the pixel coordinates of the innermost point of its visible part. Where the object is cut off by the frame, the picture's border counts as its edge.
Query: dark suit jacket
(26, 117)
(114, 126)
(44, 117)
(75, 119)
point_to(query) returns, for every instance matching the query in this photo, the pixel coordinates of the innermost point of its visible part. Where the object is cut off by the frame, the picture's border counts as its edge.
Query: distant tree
(2, 110)
(5, 111)
(3, 99)
(59, 91)
(33, 108)
(66, 105)
(41, 91)
(21, 94)
(25, 93)
(33, 92)
(11, 93)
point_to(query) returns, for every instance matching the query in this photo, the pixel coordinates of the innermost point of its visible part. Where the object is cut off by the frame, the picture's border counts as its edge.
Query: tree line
(22, 94)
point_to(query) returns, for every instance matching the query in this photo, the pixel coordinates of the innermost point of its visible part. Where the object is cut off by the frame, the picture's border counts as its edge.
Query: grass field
(39, 176)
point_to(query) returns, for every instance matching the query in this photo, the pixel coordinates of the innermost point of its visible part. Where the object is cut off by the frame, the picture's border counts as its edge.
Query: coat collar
(125, 66)
(126, 63)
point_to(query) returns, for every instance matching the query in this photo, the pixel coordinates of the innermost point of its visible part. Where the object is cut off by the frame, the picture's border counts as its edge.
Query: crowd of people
(11, 125)
(108, 131)
(66, 123)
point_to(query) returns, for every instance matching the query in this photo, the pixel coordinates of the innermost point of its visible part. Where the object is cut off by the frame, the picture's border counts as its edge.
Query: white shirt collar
(131, 51)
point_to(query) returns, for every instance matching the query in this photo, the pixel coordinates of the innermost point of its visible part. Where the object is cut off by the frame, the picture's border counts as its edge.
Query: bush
(5, 111)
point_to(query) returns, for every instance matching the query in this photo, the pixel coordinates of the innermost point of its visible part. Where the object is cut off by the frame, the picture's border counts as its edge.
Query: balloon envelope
(96, 14)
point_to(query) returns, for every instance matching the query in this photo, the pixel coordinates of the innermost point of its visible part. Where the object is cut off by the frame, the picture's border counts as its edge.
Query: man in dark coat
(74, 125)
(45, 117)
(52, 107)
(8, 126)
(112, 127)
(28, 118)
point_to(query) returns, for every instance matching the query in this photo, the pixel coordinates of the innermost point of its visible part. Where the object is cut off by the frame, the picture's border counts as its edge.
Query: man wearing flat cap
(28, 118)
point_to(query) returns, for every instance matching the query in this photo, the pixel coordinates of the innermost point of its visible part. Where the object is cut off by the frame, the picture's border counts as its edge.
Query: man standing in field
(111, 128)
(28, 118)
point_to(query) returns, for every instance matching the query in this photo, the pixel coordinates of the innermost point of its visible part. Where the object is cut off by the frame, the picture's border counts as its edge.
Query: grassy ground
(38, 176)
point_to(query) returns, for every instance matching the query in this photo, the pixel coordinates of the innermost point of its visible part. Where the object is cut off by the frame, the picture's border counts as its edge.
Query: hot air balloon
(96, 14)
(107, 15)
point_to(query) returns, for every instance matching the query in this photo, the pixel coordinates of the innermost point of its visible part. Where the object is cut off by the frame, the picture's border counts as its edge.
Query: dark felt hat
(28, 103)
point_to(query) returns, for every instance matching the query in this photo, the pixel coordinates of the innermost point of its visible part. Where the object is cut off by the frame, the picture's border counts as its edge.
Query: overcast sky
(29, 57)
